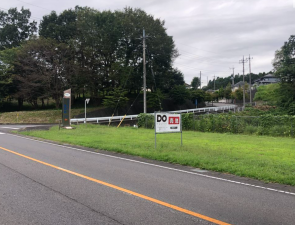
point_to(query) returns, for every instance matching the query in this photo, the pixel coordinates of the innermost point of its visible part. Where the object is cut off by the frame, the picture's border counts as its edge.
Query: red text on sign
(173, 120)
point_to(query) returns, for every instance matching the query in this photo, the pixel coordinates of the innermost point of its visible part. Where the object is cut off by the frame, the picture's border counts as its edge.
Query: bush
(278, 131)
(146, 120)
(250, 129)
(187, 121)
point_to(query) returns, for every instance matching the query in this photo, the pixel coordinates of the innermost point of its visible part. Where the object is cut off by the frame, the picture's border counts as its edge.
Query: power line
(30, 16)
(197, 48)
(35, 5)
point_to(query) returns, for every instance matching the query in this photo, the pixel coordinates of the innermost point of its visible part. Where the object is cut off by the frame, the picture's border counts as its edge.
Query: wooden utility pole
(244, 97)
(233, 82)
(144, 74)
(250, 79)
(200, 80)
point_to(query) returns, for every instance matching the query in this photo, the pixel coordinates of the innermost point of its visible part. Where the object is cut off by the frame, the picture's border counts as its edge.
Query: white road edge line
(2, 133)
(13, 128)
(163, 167)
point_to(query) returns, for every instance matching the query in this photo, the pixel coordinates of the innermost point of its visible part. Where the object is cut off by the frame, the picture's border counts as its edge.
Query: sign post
(66, 108)
(167, 123)
(86, 101)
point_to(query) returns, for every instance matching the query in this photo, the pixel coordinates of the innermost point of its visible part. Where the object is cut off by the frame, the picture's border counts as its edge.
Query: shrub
(146, 120)
(277, 131)
(187, 121)
(250, 129)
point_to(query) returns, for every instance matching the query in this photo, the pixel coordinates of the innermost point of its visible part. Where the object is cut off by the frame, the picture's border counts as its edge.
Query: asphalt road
(45, 183)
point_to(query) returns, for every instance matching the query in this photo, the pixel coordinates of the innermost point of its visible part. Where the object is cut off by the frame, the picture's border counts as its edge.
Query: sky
(211, 36)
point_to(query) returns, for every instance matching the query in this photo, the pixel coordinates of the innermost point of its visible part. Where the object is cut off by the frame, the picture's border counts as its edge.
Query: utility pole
(243, 61)
(144, 74)
(233, 82)
(250, 79)
(200, 80)
(214, 82)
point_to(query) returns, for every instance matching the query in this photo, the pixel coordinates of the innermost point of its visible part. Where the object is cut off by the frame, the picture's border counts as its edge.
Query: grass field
(38, 116)
(265, 158)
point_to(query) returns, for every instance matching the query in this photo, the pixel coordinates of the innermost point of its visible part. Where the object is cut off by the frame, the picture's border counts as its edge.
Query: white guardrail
(132, 117)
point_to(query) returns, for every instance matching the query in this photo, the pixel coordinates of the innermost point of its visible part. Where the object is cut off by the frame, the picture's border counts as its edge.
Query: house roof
(266, 76)
(241, 83)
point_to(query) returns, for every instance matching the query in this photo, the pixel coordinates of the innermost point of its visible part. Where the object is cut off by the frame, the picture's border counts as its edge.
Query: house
(237, 86)
(188, 86)
(267, 79)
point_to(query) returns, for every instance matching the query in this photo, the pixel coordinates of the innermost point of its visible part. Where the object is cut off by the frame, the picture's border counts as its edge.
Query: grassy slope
(265, 158)
(46, 116)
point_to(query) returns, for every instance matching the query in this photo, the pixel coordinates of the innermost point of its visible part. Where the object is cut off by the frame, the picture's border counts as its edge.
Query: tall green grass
(271, 159)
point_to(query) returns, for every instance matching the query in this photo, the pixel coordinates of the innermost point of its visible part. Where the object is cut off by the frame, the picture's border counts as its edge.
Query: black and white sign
(167, 123)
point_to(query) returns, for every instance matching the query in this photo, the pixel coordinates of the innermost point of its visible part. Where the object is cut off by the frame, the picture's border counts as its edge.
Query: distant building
(267, 79)
(188, 86)
(237, 86)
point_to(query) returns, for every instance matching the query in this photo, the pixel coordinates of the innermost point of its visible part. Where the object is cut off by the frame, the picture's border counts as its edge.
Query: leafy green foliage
(43, 69)
(228, 91)
(198, 94)
(154, 100)
(187, 121)
(179, 94)
(268, 93)
(195, 83)
(146, 120)
(108, 48)
(117, 97)
(284, 67)
(7, 56)
(15, 27)
(61, 27)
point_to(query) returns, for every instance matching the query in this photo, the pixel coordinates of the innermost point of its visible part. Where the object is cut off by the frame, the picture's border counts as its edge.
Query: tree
(116, 98)
(228, 91)
(284, 68)
(284, 62)
(208, 97)
(179, 94)
(6, 72)
(15, 27)
(61, 27)
(154, 100)
(109, 50)
(195, 83)
(44, 68)
(221, 93)
(198, 95)
(238, 94)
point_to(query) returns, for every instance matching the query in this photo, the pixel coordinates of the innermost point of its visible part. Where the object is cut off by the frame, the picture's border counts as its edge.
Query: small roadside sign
(167, 123)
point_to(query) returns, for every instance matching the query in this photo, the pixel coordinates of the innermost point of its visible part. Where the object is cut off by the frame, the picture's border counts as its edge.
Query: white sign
(167, 123)
(67, 94)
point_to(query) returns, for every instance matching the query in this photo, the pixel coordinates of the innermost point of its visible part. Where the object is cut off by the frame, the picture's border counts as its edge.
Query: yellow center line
(123, 190)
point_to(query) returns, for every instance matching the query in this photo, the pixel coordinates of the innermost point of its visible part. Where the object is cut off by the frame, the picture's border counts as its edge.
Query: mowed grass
(271, 159)
(38, 116)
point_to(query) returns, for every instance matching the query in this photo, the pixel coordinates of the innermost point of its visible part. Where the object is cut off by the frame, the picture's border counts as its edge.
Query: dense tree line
(222, 82)
(84, 49)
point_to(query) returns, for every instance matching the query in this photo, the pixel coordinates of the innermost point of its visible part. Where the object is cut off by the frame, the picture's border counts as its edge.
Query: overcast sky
(210, 35)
